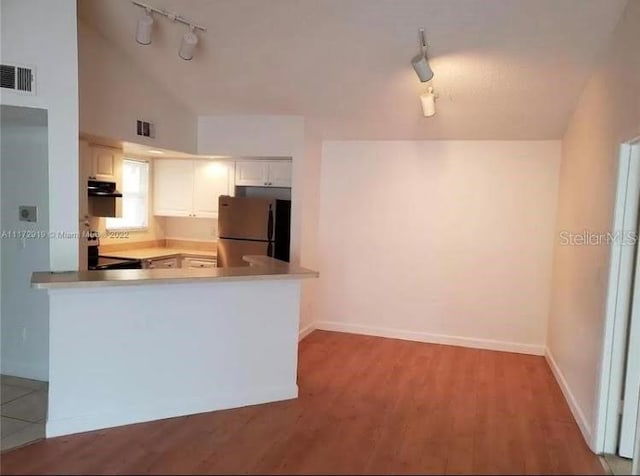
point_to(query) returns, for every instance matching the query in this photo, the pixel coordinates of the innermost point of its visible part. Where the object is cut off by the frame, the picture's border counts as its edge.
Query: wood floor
(366, 405)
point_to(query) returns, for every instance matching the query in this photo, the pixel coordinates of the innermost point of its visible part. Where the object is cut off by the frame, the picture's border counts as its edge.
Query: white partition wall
(127, 354)
(438, 241)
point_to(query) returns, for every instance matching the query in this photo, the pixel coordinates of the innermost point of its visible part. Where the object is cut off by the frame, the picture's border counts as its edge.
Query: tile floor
(618, 466)
(24, 407)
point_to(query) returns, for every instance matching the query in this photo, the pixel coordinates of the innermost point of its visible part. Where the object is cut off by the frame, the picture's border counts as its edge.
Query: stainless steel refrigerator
(252, 226)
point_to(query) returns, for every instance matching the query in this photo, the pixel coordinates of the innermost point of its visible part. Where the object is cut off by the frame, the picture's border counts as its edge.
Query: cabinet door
(196, 263)
(163, 263)
(172, 187)
(84, 173)
(252, 173)
(104, 163)
(211, 179)
(280, 173)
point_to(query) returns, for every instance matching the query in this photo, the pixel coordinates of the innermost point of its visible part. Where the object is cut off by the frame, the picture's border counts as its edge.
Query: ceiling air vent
(17, 78)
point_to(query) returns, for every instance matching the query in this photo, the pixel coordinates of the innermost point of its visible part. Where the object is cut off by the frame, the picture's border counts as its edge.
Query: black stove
(98, 262)
(113, 262)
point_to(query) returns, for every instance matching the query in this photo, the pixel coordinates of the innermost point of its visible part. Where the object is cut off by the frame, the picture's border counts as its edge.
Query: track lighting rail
(170, 15)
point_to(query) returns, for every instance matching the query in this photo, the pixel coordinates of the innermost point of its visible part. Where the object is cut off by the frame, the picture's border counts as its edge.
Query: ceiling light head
(422, 68)
(188, 44)
(420, 63)
(144, 29)
(428, 101)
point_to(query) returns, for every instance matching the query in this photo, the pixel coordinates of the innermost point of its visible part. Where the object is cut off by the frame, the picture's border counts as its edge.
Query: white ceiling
(504, 69)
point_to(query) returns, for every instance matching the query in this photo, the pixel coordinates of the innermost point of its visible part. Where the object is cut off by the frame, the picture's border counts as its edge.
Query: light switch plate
(28, 213)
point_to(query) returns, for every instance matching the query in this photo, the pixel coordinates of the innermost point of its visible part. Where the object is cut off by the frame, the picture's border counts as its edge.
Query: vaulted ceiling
(504, 69)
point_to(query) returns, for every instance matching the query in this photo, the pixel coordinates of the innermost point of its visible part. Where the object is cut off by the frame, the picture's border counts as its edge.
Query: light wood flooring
(366, 405)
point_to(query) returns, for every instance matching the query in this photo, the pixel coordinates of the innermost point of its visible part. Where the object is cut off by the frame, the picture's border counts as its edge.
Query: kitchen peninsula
(128, 346)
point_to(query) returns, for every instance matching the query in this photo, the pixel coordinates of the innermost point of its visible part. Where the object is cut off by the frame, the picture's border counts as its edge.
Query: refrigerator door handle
(270, 224)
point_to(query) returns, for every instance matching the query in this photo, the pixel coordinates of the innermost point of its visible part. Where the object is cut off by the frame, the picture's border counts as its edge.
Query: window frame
(148, 200)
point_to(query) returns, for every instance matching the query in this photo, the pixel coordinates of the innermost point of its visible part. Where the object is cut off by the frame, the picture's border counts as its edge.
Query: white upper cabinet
(263, 173)
(104, 163)
(190, 188)
(84, 174)
(280, 173)
(211, 179)
(252, 173)
(173, 187)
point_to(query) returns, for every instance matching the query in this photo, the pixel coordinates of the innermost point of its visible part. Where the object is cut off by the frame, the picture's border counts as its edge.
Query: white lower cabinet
(195, 263)
(180, 261)
(159, 263)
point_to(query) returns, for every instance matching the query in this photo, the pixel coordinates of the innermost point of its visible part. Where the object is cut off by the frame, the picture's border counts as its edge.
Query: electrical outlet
(28, 213)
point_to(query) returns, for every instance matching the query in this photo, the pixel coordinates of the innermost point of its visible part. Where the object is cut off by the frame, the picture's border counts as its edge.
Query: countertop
(158, 252)
(261, 268)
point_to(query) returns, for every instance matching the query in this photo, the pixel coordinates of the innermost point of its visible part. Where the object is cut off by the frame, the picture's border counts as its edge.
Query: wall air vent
(18, 78)
(145, 129)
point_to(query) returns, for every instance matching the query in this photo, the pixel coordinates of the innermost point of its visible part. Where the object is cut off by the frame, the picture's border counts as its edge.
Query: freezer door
(230, 252)
(246, 218)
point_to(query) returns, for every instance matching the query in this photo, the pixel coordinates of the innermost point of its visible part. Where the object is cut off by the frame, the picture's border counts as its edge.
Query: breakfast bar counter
(128, 346)
(261, 268)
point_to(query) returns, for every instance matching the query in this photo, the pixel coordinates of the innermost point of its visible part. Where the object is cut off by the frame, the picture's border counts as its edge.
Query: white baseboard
(166, 409)
(305, 331)
(431, 338)
(578, 415)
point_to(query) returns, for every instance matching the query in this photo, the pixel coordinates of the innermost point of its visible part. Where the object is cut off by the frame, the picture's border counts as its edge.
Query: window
(135, 197)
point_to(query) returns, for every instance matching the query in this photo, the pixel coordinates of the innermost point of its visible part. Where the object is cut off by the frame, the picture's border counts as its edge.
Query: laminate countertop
(260, 268)
(159, 252)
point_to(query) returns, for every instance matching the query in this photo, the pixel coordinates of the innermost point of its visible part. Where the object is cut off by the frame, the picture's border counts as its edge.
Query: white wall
(283, 136)
(254, 136)
(607, 114)
(309, 183)
(115, 92)
(43, 34)
(194, 229)
(181, 349)
(23, 161)
(441, 241)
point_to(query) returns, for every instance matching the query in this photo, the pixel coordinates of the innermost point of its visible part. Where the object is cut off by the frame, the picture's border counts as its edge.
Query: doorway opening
(619, 399)
(24, 247)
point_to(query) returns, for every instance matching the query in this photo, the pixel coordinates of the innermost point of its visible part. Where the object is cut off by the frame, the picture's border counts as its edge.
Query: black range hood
(97, 188)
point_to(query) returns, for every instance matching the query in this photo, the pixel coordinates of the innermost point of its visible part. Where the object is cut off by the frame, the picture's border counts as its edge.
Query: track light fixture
(421, 66)
(428, 101)
(145, 27)
(188, 44)
(143, 30)
(420, 63)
